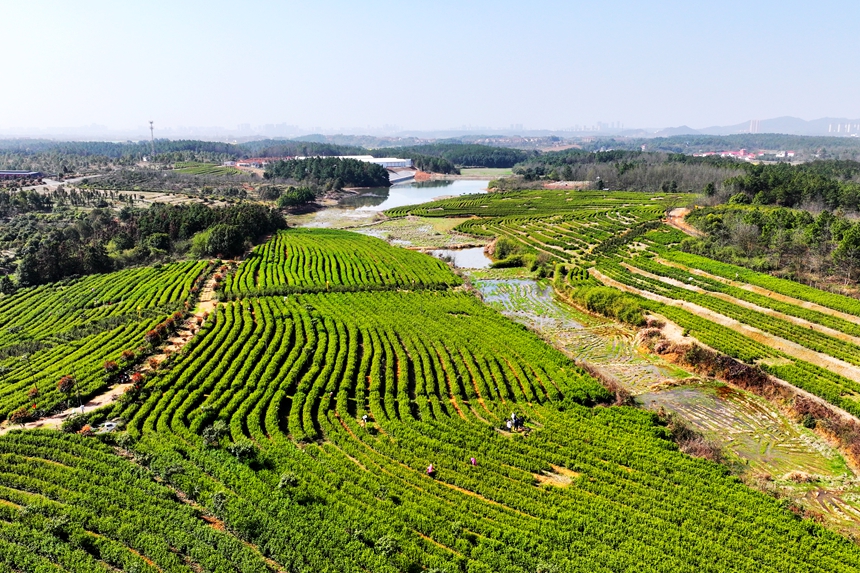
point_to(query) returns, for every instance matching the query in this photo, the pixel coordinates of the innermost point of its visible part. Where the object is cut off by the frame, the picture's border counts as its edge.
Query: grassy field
(192, 168)
(491, 172)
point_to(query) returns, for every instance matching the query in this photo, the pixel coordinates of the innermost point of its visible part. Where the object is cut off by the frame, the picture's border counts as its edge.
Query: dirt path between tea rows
(791, 348)
(675, 218)
(186, 331)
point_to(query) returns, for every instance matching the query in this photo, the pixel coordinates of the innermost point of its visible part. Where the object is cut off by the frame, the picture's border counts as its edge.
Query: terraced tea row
(784, 287)
(72, 329)
(535, 203)
(285, 384)
(69, 503)
(823, 382)
(322, 260)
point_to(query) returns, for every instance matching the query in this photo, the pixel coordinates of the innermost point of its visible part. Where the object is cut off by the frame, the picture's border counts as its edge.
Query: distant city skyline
(423, 66)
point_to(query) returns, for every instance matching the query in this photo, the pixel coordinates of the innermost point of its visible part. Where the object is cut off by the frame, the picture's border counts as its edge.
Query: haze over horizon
(423, 66)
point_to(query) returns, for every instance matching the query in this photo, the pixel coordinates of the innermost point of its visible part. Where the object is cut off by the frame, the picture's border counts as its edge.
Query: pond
(473, 258)
(367, 205)
(411, 193)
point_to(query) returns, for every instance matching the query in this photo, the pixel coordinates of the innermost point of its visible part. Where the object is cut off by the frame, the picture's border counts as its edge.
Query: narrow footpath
(184, 333)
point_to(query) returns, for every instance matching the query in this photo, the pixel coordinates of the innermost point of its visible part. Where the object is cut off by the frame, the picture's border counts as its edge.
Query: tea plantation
(308, 428)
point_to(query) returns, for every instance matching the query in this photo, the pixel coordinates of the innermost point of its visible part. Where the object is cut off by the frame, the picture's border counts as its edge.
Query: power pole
(152, 137)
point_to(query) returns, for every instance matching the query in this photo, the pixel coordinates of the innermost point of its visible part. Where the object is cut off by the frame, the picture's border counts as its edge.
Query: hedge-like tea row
(319, 260)
(278, 389)
(74, 327)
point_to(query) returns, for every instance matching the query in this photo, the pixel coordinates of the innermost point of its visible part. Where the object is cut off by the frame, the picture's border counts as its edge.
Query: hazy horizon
(380, 66)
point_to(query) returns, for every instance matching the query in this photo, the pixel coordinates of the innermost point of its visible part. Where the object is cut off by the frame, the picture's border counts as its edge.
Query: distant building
(14, 174)
(387, 162)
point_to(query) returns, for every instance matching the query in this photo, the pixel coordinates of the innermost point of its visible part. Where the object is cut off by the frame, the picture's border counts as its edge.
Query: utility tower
(152, 137)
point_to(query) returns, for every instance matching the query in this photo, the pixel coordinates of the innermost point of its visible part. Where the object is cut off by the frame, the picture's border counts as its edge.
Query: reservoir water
(411, 193)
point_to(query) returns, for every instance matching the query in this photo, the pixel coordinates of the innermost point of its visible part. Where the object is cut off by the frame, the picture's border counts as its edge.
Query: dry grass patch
(558, 477)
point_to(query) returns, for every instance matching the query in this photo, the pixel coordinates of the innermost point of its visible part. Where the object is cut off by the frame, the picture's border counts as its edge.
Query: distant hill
(683, 130)
(788, 125)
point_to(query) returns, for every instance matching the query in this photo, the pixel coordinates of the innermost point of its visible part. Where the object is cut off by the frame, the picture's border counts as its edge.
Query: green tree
(220, 240)
(847, 254)
(295, 196)
(6, 285)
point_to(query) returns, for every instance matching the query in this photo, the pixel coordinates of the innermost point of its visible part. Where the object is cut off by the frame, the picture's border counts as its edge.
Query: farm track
(206, 304)
(746, 304)
(677, 218)
(762, 291)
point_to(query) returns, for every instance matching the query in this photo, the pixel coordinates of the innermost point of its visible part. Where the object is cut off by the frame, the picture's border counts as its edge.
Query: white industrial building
(387, 162)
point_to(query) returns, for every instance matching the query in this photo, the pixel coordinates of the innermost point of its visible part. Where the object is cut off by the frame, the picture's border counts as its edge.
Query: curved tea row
(72, 328)
(367, 431)
(437, 375)
(327, 260)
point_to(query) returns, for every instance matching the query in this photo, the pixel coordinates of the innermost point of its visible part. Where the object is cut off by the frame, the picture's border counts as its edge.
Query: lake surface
(410, 194)
(473, 258)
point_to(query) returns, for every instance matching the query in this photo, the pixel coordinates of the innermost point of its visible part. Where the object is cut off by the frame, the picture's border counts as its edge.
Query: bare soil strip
(763, 291)
(786, 346)
(675, 218)
(728, 298)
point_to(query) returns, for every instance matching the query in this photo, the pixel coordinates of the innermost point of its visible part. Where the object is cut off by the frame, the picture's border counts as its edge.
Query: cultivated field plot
(535, 203)
(305, 260)
(563, 225)
(295, 433)
(72, 328)
(752, 427)
(69, 503)
(435, 374)
(193, 168)
(807, 337)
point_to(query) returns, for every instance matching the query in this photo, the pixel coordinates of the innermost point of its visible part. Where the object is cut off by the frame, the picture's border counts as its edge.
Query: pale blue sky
(425, 64)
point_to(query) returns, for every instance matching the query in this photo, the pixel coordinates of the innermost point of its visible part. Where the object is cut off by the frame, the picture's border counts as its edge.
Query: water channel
(472, 258)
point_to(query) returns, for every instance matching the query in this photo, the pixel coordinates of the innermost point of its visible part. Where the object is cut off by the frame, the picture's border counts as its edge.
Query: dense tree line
(329, 172)
(61, 157)
(794, 242)
(101, 240)
(832, 183)
(823, 147)
(628, 170)
(462, 154)
(288, 148)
